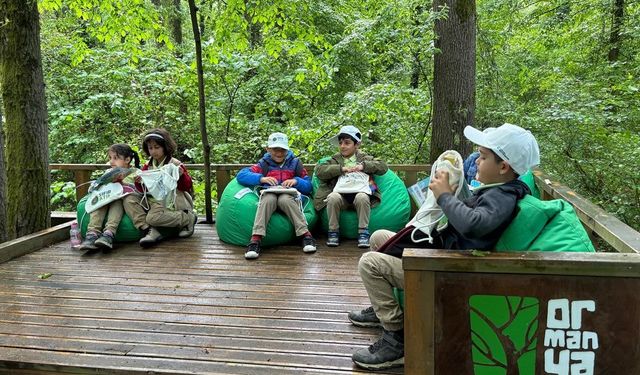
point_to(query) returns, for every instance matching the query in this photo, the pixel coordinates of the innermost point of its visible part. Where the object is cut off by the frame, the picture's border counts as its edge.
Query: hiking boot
(187, 231)
(363, 239)
(365, 318)
(385, 353)
(151, 238)
(253, 250)
(89, 242)
(105, 241)
(308, 244)
(333, 239)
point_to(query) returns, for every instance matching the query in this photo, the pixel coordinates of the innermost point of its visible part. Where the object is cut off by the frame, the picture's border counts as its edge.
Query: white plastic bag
(162, 183)
(430, 216)
(353, 182)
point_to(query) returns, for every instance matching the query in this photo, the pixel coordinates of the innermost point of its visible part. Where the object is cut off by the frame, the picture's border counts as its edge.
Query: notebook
(278, 189)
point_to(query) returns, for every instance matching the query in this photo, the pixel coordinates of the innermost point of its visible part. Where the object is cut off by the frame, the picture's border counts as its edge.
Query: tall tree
(26, 113)
(616, 28)
(454, 76)
(3, 176)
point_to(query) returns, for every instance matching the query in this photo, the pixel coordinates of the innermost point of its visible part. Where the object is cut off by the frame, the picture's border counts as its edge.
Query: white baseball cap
(279, 140)
(349, 130)
(515, 145)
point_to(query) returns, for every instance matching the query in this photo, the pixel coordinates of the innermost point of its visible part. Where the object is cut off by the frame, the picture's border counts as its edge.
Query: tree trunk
(26, 113)
(203, 124)
(3, 176)
(616, 27)
(454, 77)
(176, 23)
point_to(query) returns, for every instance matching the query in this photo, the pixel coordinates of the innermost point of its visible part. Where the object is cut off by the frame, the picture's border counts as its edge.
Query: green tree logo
(503, 334)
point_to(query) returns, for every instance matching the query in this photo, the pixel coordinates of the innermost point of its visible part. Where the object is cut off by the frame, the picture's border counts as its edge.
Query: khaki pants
(113, 211)
(158, 215)
(380, 273)
(336, 203)
(286, 203)
(379, 237)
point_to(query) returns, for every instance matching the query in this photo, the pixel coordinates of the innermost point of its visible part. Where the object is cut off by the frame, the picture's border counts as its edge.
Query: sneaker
(333, 239)
(363, 239)
(253, 250)
(89, 242)
(308, 244)
(187, 231)
(365, 318)
(151, 238)
(385, 353)
(105, 241)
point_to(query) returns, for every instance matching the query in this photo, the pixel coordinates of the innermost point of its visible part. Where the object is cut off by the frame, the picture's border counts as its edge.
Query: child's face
(277, 154)
(155, 151)
(116, 160)
(347, 147)
(489, 170)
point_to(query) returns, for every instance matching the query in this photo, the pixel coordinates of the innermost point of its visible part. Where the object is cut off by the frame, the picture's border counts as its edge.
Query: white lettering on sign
(570, 351)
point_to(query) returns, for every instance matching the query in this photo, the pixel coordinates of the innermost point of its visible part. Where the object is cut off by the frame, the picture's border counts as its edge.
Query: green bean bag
(235, 215)
(392, 213)
(126, 230)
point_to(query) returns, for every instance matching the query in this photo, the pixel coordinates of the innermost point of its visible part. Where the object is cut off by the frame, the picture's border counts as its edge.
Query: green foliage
(309, 67)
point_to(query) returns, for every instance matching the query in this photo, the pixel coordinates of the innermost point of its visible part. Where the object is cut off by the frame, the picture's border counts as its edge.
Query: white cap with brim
(349, 130)
(515, 145)
(278, 140)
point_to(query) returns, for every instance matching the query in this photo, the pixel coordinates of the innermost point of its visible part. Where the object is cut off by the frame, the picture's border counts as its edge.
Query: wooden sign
(502, 316)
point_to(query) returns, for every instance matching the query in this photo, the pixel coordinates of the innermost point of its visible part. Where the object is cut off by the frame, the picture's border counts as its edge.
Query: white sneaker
(152, 237)
(187, 231)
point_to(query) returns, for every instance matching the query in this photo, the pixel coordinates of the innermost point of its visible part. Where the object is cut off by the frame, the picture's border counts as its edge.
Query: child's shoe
(363, 239)
(187, 231)
(89, 242)
(106, 240)
(308, 244)
(333, 239)
(151, 238)
(253, 250)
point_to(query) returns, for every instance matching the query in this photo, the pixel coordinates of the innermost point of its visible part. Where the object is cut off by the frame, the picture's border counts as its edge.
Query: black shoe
(385, 353)
(89, 242)
(365, 318)
(253, 250)
(308, 244)
(105, 241)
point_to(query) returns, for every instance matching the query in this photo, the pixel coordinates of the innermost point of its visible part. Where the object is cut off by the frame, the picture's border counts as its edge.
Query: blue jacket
(291, 168)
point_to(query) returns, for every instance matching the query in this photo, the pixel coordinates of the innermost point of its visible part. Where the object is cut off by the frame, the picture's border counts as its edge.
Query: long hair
(125, 151)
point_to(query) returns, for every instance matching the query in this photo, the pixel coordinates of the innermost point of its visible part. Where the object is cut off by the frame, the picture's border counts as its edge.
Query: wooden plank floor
(191, 306)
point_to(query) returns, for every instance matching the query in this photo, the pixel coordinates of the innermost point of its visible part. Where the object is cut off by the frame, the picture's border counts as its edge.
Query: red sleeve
(139, 186)
(184, 182)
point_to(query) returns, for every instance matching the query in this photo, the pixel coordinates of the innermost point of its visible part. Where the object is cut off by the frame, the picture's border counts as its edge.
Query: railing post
(222, 180)
(81, 177)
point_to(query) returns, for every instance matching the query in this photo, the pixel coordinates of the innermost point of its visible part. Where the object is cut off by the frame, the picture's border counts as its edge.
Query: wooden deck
(191, 306)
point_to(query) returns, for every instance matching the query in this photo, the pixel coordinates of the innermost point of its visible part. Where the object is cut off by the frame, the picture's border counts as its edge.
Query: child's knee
(361, 198)
(334, 198)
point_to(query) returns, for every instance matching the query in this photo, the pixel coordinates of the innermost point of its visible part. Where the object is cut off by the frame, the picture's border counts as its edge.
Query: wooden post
(419, 322)
(81, 177)
(222, 180)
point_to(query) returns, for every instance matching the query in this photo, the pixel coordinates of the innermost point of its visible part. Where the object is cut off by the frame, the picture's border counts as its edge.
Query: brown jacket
(329, 170)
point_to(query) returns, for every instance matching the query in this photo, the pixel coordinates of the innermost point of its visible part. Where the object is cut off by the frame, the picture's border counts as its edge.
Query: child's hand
(439, 184)
(269, 181)
(290, 182)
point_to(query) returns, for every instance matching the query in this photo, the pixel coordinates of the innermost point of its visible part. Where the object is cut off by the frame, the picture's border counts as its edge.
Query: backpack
(545, 226)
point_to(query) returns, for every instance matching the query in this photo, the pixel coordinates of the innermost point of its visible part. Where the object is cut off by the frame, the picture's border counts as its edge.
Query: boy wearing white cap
(476, 222)
(278, 167)
(348, 161)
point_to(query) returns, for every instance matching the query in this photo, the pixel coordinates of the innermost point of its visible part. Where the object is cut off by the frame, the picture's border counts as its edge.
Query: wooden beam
(419, 327)
(36, 241)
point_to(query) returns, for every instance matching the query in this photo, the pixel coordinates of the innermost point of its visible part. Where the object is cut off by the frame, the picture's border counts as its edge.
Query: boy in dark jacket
(350, 160)
(278, 167)
(474, 223)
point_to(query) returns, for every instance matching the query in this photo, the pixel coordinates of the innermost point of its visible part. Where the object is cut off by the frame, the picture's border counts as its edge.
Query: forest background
(567, 70)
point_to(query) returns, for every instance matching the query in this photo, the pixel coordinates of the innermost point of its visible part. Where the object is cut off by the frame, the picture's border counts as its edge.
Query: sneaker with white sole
(188, 230)
(253, 250)
(89, 242)
(308, 244)
(385, 353)
(151, 238)
(105, 241)
(364, 318)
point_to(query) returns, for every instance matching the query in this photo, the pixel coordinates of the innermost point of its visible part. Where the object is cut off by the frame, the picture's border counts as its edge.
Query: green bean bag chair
(237, 209)
(392, 213)
(126, 230)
